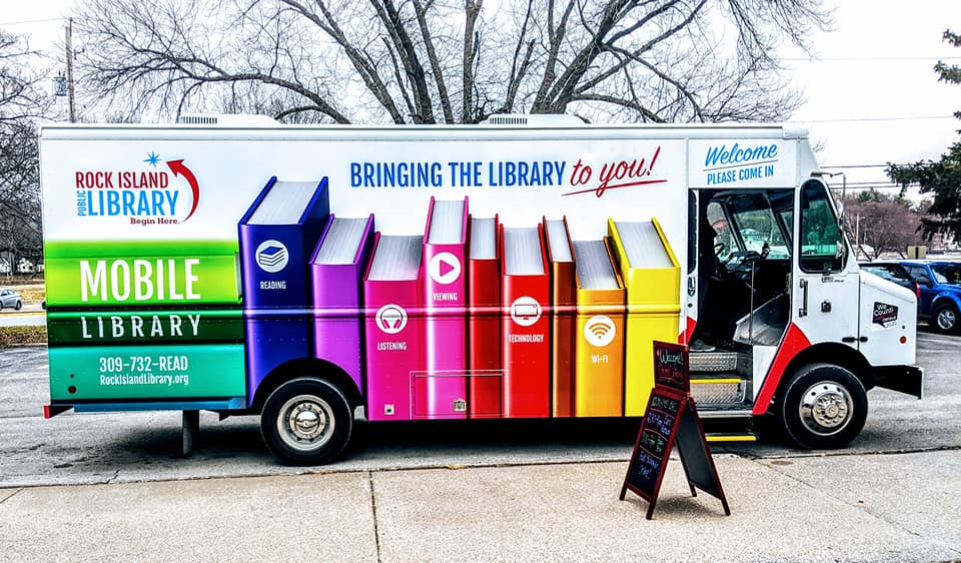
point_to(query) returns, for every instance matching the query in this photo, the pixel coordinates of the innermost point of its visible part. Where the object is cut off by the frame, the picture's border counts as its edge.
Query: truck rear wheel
(823, 407)
(306, 421)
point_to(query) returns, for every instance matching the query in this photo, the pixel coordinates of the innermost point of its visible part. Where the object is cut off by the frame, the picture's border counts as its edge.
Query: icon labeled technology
(525, 311)
(272, 256)
(600, 331)
(444, 268)
(391, 319)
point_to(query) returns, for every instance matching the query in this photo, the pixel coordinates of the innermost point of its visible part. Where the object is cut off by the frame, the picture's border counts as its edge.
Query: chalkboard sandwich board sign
(671, 419)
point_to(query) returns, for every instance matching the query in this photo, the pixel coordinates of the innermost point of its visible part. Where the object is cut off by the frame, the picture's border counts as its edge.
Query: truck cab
(781, 321)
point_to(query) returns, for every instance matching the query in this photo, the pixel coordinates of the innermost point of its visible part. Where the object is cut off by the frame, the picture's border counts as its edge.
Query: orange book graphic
(599, 335)
(560, 259)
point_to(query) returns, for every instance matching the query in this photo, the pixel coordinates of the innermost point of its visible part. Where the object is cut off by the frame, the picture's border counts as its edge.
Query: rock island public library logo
(155, 192)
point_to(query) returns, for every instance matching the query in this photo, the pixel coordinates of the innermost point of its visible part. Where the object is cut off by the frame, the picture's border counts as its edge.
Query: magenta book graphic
(337, 271)
(445, 300)
(394, 329)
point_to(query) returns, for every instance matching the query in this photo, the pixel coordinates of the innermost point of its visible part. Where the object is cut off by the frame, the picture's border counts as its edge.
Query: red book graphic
(560, 258)
(484, 320)
(526, 292)
(394, 327)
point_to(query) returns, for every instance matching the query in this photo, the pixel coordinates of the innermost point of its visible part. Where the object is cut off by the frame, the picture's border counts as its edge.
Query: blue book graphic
(278, 235)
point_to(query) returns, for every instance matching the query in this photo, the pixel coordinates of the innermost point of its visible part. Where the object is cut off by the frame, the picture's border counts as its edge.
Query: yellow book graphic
(652, 277)
(599, 334)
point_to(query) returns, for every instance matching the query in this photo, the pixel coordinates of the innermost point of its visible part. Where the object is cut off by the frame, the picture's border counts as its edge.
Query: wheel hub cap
(826, 408)
(946, 319)
(306, 423)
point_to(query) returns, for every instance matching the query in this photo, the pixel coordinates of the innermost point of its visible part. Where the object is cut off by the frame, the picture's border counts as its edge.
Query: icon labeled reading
(599, 331)
(272, 256)
(391, 319)
(525, 311)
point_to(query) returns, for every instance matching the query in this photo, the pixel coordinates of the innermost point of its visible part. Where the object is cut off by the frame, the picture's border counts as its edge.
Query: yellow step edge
(728, 380)
(746, 438)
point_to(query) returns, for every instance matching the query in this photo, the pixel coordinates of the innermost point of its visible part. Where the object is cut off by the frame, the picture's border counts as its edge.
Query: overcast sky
(871, 92)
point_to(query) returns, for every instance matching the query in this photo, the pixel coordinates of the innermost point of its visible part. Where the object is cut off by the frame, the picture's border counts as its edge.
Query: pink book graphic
(394, 327)
(442, 388)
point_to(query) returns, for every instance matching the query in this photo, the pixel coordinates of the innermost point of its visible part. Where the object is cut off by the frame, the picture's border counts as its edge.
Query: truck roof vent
(228, 120)
(536, 120)
(506, 119)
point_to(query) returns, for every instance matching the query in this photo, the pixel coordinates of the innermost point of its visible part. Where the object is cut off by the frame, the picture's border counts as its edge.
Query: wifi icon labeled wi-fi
(600, 331)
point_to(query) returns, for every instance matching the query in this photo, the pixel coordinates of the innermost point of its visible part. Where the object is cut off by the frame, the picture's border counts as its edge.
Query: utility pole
(69, 44)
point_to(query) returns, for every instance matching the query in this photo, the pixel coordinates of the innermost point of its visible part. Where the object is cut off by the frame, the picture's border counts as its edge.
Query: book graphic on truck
(334, 276)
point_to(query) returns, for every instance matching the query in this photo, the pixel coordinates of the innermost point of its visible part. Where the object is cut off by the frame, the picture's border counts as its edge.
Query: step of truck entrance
(722, 394)
(720, 361)
(730, 430)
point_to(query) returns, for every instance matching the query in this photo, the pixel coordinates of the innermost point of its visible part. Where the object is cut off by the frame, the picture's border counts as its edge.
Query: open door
(827, 285)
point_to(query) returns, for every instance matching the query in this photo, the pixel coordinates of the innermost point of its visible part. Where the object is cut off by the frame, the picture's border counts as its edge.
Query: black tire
(18, 306)
(322, 433)
(945, 318)
(823, 406)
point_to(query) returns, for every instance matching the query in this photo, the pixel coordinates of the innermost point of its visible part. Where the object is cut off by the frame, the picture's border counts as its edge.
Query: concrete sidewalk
(843, 508)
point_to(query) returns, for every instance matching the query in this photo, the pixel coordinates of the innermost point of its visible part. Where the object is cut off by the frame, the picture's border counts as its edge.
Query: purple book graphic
(394, 328)
(277, 236)
(445, 299)
(337, 271)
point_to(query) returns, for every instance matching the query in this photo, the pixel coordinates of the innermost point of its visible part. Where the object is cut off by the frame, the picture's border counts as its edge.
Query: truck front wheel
(823, 407)
(306, 421)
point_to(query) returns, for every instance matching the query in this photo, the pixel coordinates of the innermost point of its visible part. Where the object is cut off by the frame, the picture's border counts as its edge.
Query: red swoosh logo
(178, 169)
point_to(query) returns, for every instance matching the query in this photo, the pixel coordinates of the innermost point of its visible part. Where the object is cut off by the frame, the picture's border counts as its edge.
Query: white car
(10, 299)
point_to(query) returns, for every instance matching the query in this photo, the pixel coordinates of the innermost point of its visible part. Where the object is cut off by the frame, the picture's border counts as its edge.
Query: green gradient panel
(147, 372)
(157, 327)
(158, 248)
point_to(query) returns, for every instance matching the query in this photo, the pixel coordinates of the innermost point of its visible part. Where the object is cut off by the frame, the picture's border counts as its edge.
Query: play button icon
(444, 268)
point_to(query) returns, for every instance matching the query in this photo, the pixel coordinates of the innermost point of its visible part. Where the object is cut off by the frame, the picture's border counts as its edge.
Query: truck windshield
(760, 230)
(752, 223)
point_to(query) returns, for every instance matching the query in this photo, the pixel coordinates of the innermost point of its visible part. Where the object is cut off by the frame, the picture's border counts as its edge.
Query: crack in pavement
(373, 507)
(15, 493)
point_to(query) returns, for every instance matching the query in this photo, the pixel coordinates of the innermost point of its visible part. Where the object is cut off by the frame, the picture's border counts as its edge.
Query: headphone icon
(391, 319)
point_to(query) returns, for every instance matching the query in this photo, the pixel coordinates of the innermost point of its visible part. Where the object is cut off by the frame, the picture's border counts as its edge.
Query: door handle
(803, 311)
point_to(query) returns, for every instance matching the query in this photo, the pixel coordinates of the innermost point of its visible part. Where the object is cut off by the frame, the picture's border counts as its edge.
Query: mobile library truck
(518, 268)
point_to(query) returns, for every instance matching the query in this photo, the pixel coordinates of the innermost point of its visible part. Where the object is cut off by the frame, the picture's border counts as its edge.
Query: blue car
(940, 300)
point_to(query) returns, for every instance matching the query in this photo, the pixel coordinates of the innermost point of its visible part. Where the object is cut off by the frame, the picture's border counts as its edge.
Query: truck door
(826, 291)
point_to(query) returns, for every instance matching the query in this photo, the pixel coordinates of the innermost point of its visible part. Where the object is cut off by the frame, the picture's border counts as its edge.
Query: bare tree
(21, 94)
(881, 224)
(22, 100)
(446, 61)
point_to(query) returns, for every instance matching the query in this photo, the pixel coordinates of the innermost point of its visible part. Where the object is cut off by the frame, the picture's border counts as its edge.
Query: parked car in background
(940, 301)
(10, 299)
(893, 272)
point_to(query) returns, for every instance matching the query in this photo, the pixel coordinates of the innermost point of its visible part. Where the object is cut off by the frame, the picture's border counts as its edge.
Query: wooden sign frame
(671, 418)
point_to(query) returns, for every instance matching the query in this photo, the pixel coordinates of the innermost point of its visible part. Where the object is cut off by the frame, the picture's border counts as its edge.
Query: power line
(856, 166)
(866, 59)
(874, 119)
(22, 22)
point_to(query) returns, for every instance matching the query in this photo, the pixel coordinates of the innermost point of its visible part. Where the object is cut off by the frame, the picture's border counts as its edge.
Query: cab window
(821, 242)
